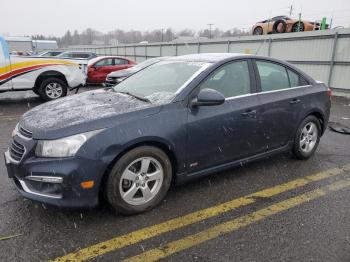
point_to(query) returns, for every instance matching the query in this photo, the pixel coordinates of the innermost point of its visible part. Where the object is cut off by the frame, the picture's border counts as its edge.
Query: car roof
(82, 52)
(206, 57)
(103, 57)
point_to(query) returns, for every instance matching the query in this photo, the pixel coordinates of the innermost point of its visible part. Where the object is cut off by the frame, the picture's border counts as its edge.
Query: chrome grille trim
(17, 151)
(25, 133)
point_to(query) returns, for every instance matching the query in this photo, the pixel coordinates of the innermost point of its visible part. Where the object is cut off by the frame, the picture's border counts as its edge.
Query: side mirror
(208, 97)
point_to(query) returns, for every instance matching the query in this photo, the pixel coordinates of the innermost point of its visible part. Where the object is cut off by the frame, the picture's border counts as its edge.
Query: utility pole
(290, 10)
(210, 25)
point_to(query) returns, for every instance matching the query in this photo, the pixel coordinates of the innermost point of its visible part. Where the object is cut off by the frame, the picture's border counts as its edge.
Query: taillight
(329, 93)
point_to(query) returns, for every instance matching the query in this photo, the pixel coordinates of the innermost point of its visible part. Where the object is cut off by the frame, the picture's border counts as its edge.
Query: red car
(100, 67)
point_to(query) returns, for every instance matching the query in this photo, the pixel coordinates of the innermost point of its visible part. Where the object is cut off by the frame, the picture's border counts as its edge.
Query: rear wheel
(36, 91)
(280, 26)
(258, 31)
(52, 88)
(307, 138)
(139, 180)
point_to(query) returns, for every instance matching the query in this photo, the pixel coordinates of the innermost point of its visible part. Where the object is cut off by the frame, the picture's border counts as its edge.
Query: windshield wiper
(144, 99)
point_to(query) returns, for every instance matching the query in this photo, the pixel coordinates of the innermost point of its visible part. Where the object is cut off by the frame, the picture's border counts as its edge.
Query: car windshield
(162, 80)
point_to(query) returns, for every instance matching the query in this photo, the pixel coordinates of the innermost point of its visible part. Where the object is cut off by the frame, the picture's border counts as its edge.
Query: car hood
(124, 72)
(82, 112)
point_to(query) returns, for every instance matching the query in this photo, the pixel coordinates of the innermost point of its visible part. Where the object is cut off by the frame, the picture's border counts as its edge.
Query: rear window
(275, 77)
(295, 79)
(272, 76)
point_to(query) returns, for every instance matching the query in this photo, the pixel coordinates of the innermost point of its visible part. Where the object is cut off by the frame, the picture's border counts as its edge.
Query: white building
(42, 45)
(19, 43)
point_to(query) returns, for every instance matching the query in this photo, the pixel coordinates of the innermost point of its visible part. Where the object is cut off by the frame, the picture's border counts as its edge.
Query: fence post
(124, 51)
(175, 49)
(228, 46)
(134, 53)
(146, 51)
(160, 50)
(331, 65)
(199, 47)
(269, 47)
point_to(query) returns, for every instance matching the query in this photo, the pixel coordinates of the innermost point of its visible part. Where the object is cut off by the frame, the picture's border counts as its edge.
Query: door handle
(249, 113)
(294, 101)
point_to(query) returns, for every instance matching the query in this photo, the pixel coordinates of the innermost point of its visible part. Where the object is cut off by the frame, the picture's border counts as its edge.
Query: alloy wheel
(53, 90)
(308, 137)
(141, 181)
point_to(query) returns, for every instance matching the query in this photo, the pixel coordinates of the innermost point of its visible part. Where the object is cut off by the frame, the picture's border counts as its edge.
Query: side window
(105, 62)
(119, 61)
(295, 79)
(83, 55)
(231, 79)
(272, 76)
(68, 55)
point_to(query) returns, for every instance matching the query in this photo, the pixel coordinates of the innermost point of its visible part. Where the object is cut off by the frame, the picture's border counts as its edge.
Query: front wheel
(307, 138)
(139, 180)
(298, 27)
(52, 88)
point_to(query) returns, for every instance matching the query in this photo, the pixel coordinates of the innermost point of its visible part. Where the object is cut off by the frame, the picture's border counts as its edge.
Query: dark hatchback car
(178, 119)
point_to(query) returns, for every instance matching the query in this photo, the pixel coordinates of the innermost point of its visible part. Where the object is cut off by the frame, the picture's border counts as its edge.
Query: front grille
(24, 132)
(16, 150)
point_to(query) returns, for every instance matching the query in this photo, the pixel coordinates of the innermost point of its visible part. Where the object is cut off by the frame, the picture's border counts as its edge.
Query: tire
(275, 26)
(36, 91)
(307, 138)
(127, 196)
(57, 86)
(258, 31)
(296, 25)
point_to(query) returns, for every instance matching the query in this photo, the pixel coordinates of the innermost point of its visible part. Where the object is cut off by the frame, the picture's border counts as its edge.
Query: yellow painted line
(179, 222)
(235, 224)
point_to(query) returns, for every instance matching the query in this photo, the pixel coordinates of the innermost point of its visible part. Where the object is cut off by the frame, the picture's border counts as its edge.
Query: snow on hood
(161, 97)
(81, 108)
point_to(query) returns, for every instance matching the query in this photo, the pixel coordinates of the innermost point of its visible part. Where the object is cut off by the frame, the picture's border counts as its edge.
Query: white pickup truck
(48, 77)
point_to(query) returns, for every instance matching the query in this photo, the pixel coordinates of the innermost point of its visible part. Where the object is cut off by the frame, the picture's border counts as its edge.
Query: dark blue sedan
(178, 119)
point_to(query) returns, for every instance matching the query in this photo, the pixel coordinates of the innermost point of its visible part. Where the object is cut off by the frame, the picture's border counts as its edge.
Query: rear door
(120, 64)
(5, 66)
(227, 132)
(281, 96)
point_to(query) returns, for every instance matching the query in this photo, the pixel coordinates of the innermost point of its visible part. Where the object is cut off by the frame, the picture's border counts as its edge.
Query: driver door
(101, 69)
(227, 132)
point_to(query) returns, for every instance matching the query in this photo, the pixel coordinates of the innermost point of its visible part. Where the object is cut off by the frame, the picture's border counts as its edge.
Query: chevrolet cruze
(178, 119)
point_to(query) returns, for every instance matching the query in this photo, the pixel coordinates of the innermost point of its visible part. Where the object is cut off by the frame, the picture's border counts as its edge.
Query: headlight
(63, 147)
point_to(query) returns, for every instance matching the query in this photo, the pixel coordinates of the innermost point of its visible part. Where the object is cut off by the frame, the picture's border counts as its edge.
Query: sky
(55, 17)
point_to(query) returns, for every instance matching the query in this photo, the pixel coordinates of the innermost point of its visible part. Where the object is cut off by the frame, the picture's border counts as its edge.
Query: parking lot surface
(277, 209)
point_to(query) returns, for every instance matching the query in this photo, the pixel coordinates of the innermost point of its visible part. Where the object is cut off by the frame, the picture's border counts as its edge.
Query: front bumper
(56, 181)
(113, 81)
